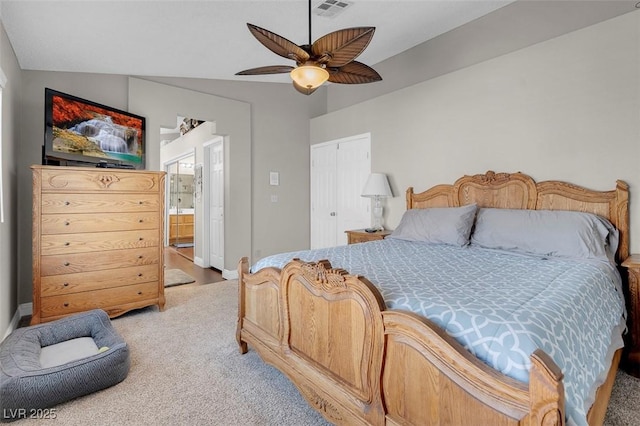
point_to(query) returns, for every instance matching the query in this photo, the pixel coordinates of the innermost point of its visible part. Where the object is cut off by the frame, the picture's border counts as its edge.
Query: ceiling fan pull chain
(309, 24)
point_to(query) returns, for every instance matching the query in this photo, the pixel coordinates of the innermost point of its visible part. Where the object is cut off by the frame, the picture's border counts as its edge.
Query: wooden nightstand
(632, 351)
(361, 236)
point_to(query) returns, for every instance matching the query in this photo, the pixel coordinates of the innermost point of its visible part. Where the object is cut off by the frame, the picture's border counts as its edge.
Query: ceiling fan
(331, 57)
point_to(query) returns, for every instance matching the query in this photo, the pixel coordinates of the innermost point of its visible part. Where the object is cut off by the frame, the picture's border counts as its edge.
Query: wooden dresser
(98, 240)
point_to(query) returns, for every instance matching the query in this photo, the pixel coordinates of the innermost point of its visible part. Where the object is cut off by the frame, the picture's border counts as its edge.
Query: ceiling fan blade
(343, 46)
(353, 73)
(278, 45)
(271, 69)
(303, 90)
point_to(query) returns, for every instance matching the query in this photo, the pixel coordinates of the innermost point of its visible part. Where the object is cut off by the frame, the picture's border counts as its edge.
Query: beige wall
(160, 104)
(513, 27)
(10, 150)
(280, 142)
(276, 137)
(567, 108)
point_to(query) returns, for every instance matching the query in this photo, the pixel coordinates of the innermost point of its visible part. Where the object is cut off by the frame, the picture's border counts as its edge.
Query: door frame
(165, 166)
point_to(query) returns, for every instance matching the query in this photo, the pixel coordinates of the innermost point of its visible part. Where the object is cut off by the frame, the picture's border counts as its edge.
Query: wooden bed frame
(358, 363)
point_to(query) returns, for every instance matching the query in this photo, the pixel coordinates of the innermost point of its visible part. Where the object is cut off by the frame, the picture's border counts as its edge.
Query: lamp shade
(309, 76)
(377, 186)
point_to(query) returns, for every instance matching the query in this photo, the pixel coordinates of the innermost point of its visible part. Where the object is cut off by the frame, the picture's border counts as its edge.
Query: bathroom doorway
(181, 209)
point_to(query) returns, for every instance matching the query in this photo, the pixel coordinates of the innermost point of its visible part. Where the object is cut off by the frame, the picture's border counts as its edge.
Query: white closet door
(323, 196)
(339, 170)
(353, 166)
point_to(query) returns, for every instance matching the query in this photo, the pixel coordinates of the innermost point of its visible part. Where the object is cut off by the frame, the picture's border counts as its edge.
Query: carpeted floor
(186, 369)
(624, 406)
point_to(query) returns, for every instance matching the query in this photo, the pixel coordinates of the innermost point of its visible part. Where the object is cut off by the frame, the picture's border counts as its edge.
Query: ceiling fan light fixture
(331, 57)
(309, 76)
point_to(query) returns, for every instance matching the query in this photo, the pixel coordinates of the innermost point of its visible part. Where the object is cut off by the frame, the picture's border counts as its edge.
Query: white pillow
(438, 225)
(546, 233)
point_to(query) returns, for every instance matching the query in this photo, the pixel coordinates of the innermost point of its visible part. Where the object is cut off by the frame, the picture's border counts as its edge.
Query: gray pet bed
(35, 375)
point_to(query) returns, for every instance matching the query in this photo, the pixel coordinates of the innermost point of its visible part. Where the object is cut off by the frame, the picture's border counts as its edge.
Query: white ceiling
(209, 38)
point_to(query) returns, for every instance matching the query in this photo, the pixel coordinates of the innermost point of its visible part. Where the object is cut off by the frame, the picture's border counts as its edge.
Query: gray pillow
(438, 225)
(546, 233)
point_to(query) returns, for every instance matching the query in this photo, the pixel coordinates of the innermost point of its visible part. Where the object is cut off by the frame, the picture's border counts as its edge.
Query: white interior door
(323, 196)
(353, 166)
(216, 205)
(339, 170)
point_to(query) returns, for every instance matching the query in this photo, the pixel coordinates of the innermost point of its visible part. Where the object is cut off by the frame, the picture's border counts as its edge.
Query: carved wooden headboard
(519, 191)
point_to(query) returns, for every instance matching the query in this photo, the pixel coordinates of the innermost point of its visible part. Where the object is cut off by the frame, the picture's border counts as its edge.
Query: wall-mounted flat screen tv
(82, 132)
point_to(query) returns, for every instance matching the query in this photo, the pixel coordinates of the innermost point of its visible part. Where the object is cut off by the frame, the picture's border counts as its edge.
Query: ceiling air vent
(331, 8)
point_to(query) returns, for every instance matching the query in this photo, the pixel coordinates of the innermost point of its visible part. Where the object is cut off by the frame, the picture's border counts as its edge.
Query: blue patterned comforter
(501, 306)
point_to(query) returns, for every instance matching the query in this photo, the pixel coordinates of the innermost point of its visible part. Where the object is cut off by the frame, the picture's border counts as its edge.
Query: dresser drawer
(354, 239)
(99, 299)
(361, 236)
(83, 179)
(98, 222)
(103, 203)
(88, 281)
(87, 262)
(98, 241)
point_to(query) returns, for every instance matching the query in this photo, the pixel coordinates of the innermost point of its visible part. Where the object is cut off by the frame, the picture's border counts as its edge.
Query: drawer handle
(66, 203)
(66, 305)
(66, 284)
(140, 239)
(66, 223)
(140, 202)
(140, 257)
(140, 221)
(66, 263)
(140, 274)
(67, 243)
(139, 293)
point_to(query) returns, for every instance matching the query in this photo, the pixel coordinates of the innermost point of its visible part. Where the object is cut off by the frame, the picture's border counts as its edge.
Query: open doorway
(181, 205)
(193, 158)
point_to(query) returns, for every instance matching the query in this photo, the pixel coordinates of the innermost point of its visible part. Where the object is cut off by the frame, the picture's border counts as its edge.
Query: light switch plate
(274, 178)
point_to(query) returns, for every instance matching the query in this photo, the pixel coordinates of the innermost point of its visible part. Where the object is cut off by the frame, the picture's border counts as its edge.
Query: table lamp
(377, 187)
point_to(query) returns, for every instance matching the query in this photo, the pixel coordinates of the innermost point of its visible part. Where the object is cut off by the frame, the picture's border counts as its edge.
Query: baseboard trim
(198, 261)
(23, 310)
(229, 274)
(26, 309)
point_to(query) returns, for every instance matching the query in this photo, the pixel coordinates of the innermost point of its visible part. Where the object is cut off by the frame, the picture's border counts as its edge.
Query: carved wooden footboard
(357, 363)
(323, 329)
(429, 378)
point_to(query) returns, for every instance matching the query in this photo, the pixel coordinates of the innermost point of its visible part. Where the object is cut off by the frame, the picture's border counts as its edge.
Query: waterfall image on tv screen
(90, 130)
